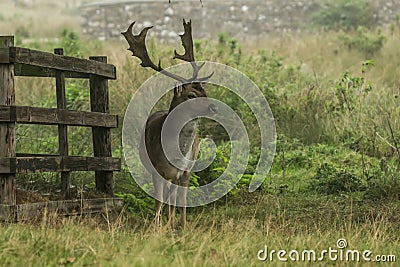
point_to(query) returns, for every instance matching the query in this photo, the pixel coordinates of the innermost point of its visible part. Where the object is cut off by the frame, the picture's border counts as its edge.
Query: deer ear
(204, 85)
(178, 90)
(199, 85)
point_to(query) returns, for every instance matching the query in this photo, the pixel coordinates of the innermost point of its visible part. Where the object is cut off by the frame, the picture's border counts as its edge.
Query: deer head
(191, 88)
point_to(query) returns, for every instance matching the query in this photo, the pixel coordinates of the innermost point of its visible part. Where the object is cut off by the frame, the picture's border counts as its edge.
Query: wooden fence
(17, 61)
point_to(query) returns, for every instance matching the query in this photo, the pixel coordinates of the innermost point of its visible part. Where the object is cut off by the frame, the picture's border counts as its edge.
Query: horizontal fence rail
(58, 164)
(25, 212)
(29, 62)
(51, 116)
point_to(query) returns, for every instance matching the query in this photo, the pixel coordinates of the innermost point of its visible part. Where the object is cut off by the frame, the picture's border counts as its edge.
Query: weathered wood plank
(4, 55)
(99, 102)
(106, 164)
(7, 213)
(39, 164)
(5, 166)
(5, 114)
(62, 129)
(21, 155)
(57, 62)
(7, 130)
(103, 164)
(35, 71)
(73, 116)
(31, 211)
(75, 163)
(53, 116)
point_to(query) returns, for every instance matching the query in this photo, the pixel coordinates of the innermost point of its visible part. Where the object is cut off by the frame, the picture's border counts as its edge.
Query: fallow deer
(155, 160)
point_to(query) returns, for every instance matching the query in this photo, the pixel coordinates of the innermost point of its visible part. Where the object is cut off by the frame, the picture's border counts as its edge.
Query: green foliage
(21, 33)
(350, 89)
(337, 171)
(366, 43)
(344, 14)
(332, 179)
(136, 205)
(37, 139)
(369, 179)
(77, 95)
(71, 43)
(384, 181)
(216, 168)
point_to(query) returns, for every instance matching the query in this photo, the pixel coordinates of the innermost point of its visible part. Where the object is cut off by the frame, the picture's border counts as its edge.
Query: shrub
(216, 168)
(366, 43)
(134, 204)
(348, 90)
(77, 95)
(332, 179)
(344, 14)
(385, 184)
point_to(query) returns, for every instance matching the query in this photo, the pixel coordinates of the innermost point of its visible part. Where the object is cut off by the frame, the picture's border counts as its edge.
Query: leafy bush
(71, 43)
(344, 14)
(349, 89)
(332, 179)
(22, 32)
(77, 95)
(345, 173)
(366, 43)
(134, 204)
(385, 184)
(216, 168)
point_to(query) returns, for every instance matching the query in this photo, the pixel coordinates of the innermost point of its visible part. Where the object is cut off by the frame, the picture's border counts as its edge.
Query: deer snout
(213, 109)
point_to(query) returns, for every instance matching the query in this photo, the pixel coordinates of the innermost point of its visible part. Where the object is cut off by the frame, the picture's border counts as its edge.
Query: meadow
(335, 96)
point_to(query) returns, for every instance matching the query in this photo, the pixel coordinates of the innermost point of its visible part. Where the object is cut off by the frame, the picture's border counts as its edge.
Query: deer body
(151, 144)
(188, 142)
(152, 152)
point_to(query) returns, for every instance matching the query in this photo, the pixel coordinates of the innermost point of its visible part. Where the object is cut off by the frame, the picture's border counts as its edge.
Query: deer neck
(188, 133)
(187, 137)
(174, 103)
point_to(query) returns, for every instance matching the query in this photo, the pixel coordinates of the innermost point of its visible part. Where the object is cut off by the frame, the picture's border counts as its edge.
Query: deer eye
(191, 96)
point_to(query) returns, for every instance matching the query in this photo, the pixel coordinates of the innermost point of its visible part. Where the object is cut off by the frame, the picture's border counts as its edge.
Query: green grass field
(335, 96)
(229, 235)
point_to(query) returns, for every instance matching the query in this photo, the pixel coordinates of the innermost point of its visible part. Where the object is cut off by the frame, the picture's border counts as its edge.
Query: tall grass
(38, 18)
(215, 237)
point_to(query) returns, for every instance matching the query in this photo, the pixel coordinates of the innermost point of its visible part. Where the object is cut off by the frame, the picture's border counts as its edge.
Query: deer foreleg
(172, 204)
(158, 194)
(184, 183)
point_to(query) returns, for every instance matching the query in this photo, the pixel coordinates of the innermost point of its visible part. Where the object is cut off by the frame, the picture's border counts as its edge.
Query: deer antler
(187, 43)
(137, 45)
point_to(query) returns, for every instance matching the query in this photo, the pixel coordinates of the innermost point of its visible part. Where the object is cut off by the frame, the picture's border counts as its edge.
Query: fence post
(7, 130)
(101, 136)
(62, 129)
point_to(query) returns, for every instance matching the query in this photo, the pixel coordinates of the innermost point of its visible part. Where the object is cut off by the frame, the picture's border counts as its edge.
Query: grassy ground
(216, 236)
